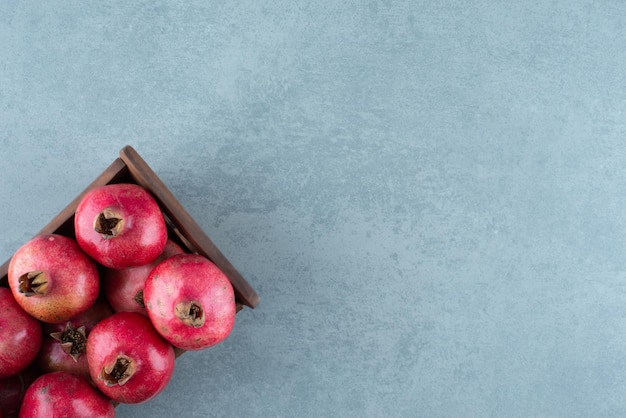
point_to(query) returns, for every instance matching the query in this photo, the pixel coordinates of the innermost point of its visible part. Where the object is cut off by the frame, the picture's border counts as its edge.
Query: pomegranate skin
(53, 357)
(20, 336)
(190, 301)
(67, 286)
(124, 288)
(96, 313)
(128, 360)
(120, 226)
(62, 394)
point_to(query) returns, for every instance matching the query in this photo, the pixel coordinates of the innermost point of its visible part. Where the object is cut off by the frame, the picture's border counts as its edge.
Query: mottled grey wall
(428, 195)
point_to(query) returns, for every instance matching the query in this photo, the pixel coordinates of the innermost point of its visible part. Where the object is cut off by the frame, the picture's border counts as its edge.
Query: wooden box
(131, 168)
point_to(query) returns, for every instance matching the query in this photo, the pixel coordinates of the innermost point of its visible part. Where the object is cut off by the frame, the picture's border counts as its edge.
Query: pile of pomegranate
(92, 320)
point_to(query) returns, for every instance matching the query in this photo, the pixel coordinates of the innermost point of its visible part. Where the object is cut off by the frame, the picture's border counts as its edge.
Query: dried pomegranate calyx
(73, 340)
(118, 372)
(191, 313)
(108, 223)
(33, 283)
(139, 298)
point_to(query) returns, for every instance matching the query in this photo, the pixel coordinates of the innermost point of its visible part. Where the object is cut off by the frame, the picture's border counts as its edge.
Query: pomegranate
(52, 279)
(124, 288)
(128, 360)
(190, 301)
(64, 345)
(97, 312)
(62, 394)
(12, 391)
(120, 225)
(20, 336)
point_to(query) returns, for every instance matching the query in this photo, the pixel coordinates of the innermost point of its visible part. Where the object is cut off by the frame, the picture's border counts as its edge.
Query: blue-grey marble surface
(429, 196)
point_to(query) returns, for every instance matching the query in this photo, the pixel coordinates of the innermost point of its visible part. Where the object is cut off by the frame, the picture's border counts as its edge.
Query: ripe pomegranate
(120, 225)
(64, 345)
(62, 394)
(52, 279)
(124, 288)
(190, 302)
(12, 391)
(20, 336)
(128, 360)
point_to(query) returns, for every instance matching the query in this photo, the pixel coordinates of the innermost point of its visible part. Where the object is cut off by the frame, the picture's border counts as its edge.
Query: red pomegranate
(124, 288)
(64, 345)
(120, 225)
(62, 394)
(52, 279)
(128, 360)
(190, 302)
(20, 336)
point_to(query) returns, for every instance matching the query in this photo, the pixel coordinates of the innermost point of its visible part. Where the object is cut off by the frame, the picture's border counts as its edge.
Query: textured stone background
(428, 195)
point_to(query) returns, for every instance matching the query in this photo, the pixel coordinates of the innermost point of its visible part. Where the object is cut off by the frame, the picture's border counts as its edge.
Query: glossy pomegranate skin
(72, 278)
(20, 336)
(131, 336)
(62, 394)
(141, 234)
(97, 312)
(52, 357)
(190, 278)
(124, 288)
